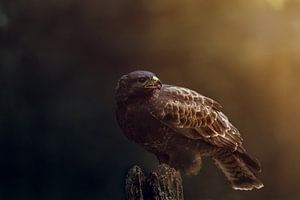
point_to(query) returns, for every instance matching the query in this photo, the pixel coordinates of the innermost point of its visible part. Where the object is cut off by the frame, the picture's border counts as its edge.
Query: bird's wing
(196, 117)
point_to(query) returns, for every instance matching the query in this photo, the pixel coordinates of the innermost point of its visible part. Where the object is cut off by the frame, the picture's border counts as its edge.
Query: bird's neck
(124, 100)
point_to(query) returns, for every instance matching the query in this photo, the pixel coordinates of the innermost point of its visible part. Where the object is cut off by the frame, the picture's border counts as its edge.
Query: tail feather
(237, 171)
(253, 163)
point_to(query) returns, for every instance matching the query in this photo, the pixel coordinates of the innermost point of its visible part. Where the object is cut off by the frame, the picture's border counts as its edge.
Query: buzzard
(180, 126)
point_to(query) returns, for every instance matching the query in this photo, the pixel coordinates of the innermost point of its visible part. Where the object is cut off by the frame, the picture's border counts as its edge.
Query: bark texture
(164, 183)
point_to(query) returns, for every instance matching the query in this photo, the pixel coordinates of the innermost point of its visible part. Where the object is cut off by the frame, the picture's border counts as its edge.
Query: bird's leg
(163, 158)
(188, 161)
(206, 150)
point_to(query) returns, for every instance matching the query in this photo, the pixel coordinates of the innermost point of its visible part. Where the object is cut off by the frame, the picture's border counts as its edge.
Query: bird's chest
(140, 126)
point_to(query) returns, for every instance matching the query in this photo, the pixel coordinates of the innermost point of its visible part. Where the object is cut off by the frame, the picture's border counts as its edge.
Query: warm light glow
(277, 4)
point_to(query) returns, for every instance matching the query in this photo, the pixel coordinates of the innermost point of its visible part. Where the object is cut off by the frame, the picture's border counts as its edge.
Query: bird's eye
(142, 80)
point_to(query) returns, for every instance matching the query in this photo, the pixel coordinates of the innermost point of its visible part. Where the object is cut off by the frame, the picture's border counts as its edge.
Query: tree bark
(164, 183)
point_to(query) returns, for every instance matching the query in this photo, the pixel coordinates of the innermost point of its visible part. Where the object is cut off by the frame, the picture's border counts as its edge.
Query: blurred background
(60, 61)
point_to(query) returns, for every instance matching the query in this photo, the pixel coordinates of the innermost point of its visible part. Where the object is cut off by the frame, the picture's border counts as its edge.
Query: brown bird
(180, 126)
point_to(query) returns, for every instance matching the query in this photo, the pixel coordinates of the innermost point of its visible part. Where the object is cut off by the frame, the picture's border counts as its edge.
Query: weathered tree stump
(164, 183)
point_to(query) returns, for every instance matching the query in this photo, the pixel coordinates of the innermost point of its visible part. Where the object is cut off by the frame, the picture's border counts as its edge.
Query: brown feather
(196, 112)
(236, 171)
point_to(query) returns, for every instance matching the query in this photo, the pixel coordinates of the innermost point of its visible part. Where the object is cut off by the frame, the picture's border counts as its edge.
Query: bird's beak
(154, 83)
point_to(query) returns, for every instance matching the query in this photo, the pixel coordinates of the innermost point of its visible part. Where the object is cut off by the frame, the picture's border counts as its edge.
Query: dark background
(60, 61)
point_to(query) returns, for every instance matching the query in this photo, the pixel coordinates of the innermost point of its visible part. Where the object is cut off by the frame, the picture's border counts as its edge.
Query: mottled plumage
(180, 126)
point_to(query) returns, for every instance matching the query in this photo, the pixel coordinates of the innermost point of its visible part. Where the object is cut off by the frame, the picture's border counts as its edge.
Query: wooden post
(164, 183)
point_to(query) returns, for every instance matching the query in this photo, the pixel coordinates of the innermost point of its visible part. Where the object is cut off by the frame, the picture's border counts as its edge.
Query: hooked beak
(154, 83)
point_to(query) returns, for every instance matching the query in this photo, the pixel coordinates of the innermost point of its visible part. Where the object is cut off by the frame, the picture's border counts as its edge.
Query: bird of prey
(180, 126)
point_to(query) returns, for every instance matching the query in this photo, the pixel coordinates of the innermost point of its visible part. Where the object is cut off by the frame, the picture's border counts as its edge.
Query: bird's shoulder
(170, 94)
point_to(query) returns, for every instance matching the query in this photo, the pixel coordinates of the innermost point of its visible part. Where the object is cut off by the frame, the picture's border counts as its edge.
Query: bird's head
(137, 83)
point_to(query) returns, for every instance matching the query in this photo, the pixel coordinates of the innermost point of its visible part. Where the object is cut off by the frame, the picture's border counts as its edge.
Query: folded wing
(196, 117)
